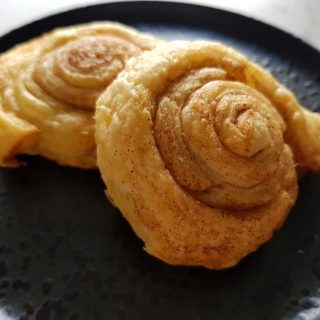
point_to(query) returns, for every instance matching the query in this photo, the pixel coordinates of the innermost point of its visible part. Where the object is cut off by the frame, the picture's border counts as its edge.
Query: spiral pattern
(196, 151)
(77, 72)
(222, 141)
(56, 80)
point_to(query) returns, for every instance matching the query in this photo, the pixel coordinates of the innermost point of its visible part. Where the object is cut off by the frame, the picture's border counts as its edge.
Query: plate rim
(189, 3)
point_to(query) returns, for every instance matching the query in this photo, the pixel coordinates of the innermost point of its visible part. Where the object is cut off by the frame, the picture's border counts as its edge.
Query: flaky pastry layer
(198, 147)
(49, 86)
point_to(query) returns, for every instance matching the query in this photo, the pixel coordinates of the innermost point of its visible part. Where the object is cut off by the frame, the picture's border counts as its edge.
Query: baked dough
(49, 86)
(195, 147)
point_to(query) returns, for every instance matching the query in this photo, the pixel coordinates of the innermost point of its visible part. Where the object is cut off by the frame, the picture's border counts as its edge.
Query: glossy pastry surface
(49, 86)
(197, 147)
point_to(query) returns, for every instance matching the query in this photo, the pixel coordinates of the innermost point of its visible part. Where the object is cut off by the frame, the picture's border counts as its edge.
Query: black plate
(66, 253)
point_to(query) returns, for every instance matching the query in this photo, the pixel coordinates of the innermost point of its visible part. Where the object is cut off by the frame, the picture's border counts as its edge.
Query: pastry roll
(198, 148)
(49, 86)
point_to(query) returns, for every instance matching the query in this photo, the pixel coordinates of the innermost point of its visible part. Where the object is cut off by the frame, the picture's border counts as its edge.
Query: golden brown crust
(191, 146)
(49, 86)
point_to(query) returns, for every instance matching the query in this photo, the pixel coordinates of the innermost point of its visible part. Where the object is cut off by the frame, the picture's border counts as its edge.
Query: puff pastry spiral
(49, 86)
(198, 146)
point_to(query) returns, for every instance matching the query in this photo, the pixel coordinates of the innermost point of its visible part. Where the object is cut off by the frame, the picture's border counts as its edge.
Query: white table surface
(299, 17)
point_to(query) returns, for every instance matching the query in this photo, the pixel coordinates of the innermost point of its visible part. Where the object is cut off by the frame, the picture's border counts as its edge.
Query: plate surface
(66, 253)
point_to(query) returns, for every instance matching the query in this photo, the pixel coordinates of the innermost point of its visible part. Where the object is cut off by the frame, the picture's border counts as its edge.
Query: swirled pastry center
(221, 140)
(77, 72)
(242, 129)
(88, 56)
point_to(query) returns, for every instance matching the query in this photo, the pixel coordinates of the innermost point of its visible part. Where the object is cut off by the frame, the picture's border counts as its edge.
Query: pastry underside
(198, 148)
(49, 86)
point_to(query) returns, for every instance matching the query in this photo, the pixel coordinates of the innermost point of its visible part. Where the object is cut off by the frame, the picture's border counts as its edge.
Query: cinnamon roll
(49, 86)
(198, 148)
